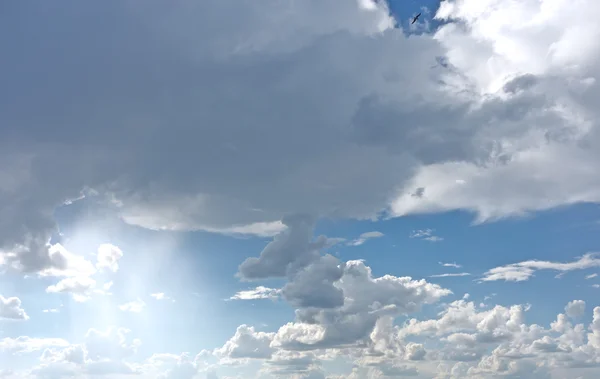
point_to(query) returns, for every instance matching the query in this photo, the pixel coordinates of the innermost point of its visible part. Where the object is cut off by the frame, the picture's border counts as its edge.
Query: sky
(300, 189)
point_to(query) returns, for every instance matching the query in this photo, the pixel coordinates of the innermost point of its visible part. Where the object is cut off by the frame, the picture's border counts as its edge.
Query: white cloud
(160, 296)
(591, 276)
(65, 263)
(525, 270)
(260, 229)
(448, 275)
(111, 343)
(425, 234)
(450, 265)
(247, 343)
(10, 308)
(135, 306)
(259, 292)
(51, 310)
(79, 287)
(102, 353)
(575, 308)
(108, 257)
(26, 344)
(526, 51)
(364, 237)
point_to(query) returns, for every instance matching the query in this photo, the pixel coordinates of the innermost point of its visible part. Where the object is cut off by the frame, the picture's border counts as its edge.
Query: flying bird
(415, 18)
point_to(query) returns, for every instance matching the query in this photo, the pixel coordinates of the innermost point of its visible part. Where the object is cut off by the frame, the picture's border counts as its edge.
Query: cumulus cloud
(337, 302)
(79, 287)
(10, 308)
(575, 308)
(352, 315)
(101, 353)
(504, 51)
(521, 271)
(289, 251)
(112, 343)
(491, 118)
(238, 115)
(247, 343)
(26, 344)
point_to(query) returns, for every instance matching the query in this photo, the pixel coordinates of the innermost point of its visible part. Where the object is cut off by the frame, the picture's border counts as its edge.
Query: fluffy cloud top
(10, 308)
(80, 287)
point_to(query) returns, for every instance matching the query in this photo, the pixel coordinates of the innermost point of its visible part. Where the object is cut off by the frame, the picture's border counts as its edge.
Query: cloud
(79, 287)
(326, 322)
(108, 257)
(313, 285)
(111, 343)
(501, 50)
(101, 353)
(247, 343)
(290, 250)
(239, 114)
(518, 272)
(425, 234)
(10, 308)
(364, 237)
(26, 344)
(591, 276)
(135, 306)
(161, 296)
(450, 275)
(450, 265)
(477, 126)
(575, 308)
(259, 292)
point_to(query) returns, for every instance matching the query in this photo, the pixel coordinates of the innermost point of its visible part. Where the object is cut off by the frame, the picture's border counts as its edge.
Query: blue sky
(285, 189)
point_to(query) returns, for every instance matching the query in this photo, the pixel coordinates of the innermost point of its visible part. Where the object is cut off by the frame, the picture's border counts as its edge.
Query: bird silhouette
(415, 18)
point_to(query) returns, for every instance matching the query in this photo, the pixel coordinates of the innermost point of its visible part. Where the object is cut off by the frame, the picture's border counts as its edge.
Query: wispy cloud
(591, 276)
(135, 306)
(450, 275)
(518, 272)
(425, 234)
(161, 296)
(454, 264)
(364, 237)
(259, 292)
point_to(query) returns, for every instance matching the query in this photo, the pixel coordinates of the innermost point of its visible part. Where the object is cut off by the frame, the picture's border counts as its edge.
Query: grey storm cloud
(229, 115)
